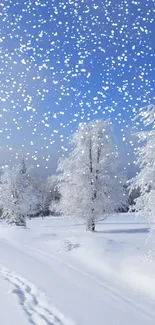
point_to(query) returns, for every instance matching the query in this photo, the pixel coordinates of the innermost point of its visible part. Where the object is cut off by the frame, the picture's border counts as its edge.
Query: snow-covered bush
(90, 180)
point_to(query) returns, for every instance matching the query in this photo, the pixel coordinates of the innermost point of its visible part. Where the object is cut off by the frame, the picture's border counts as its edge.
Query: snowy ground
(54, 272)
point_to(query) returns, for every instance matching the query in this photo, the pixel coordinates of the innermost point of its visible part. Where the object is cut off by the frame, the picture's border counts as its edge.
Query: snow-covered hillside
(54, 272)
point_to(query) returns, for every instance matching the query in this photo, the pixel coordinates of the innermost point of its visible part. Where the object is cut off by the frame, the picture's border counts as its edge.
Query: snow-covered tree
(35, 204)
(16, 194)
(49, 194)
(90, 180)
(44, 196)
(52, 182)
(145, 179)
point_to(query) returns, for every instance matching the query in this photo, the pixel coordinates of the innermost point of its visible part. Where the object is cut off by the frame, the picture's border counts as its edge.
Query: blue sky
(63, 62)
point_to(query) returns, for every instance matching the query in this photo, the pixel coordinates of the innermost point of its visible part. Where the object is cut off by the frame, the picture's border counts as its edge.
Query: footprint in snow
(33, 302)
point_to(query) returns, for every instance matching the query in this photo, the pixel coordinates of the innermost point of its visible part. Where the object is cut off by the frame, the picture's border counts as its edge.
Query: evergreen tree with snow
(145, 160)
(16, 194)
(90, 180)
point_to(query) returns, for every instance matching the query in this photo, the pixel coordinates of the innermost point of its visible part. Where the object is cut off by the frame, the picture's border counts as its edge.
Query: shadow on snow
(124, 231)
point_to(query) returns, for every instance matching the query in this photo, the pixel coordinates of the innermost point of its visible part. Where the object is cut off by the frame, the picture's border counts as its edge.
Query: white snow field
(56, 273)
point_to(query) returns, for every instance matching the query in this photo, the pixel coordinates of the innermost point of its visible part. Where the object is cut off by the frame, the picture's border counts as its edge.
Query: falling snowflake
(63, 62)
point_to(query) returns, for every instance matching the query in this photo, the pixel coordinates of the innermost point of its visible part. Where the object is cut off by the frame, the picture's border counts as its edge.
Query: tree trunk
(91, 224)
(91, 220)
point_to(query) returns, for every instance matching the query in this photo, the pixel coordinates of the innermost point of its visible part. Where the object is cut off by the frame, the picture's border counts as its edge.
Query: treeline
(89, 182)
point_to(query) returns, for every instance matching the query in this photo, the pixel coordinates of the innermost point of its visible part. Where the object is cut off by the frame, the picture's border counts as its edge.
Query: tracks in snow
(97, 290)
(115, 294)
(33, 302)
